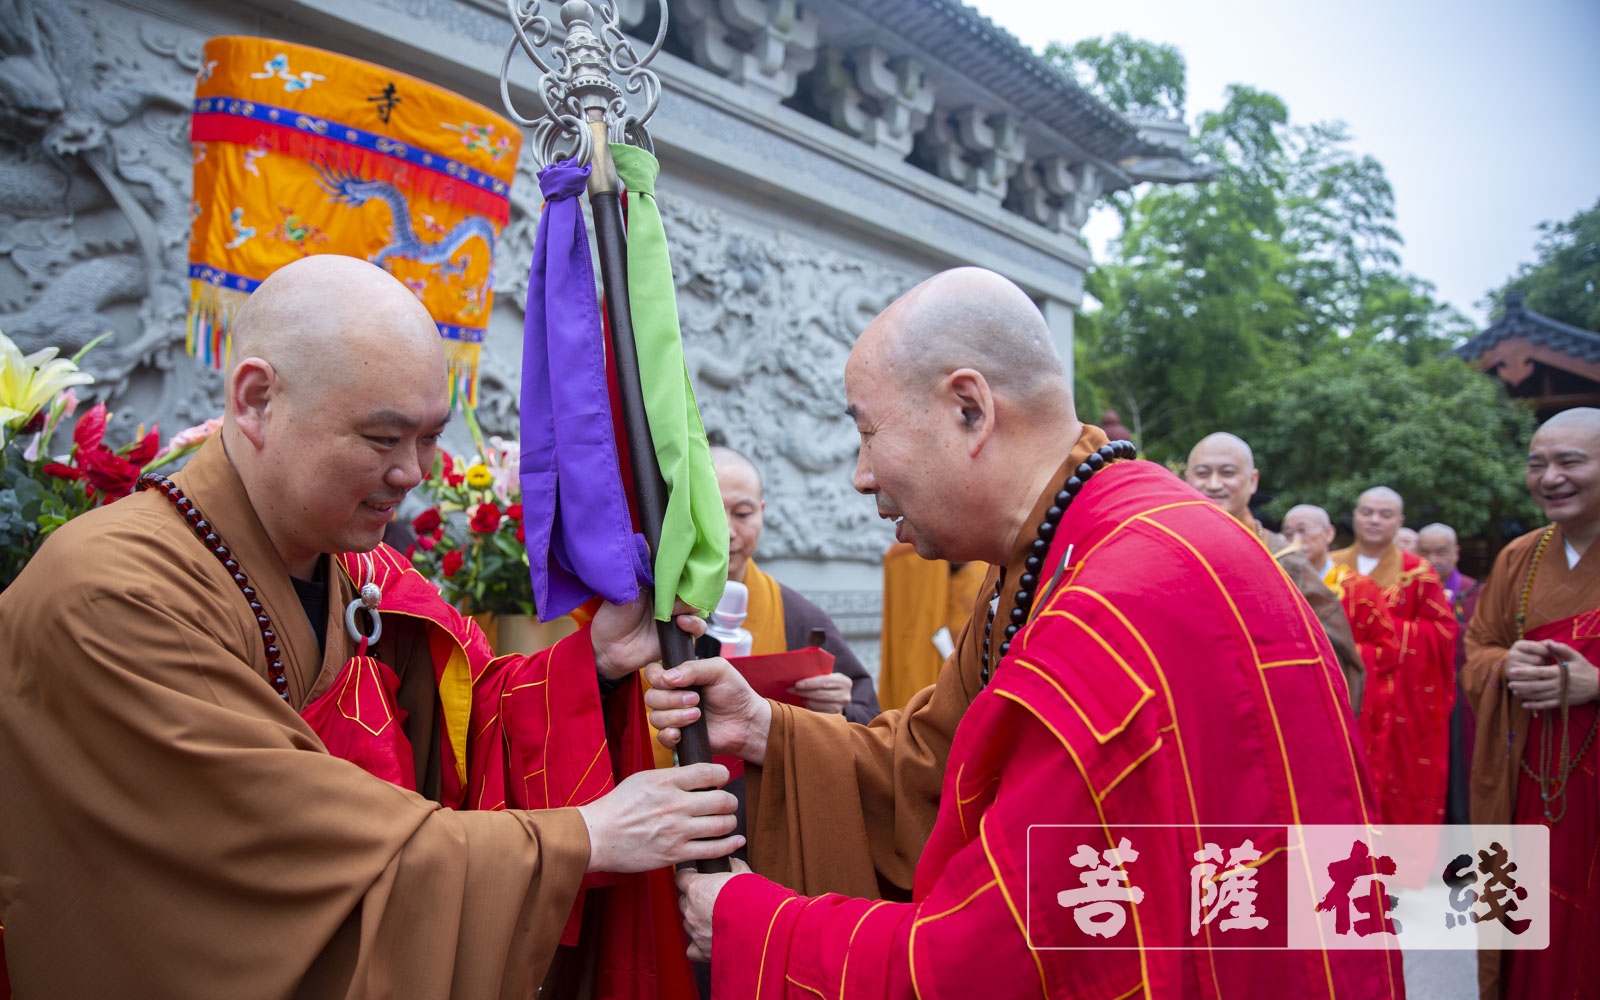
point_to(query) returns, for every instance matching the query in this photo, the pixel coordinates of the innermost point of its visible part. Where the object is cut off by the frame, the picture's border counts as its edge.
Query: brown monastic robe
(1325, 603)
(171, 827)
(846, 808)
(1557, 592)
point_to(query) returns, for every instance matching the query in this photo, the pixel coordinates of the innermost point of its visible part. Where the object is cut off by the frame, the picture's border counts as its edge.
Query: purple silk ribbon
(579, 534)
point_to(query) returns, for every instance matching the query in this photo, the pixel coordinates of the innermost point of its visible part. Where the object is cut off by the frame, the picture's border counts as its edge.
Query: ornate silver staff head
(580, 63)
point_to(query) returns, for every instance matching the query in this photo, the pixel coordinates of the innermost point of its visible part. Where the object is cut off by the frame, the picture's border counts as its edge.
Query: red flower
(34, 425)
(426, 541)
(451, 565)
(60, 471)
(426, 521)
(514, 512)
(112, 474)
(486, 518)
(520, 537)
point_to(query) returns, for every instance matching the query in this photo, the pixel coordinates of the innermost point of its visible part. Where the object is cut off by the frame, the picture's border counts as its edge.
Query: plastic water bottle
(727, 622)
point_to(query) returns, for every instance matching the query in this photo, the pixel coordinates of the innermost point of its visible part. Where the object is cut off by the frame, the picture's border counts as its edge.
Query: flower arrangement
(470, 539)
(38, 492)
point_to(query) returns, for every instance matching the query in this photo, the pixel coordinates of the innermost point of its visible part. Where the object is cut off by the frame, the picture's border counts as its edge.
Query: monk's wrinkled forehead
(1222, 450)
(328, 322)
(1381, 498)
(1571, 431)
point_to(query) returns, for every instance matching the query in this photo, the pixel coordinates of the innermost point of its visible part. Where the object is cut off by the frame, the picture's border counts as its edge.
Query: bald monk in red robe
(1406, 725)
(178, 817)
(1530, 676)
(1146, 663)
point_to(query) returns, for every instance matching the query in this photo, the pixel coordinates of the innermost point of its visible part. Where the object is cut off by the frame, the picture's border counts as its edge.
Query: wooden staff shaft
(650, 489)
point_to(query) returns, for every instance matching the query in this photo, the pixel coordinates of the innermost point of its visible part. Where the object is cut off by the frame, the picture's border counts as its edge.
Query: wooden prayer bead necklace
(1552, 790)
(1028, 583)
(209, 538)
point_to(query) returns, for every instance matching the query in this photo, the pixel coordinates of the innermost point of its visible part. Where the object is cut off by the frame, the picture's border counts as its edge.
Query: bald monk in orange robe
(1371, 625)
(920, 597)
(1406, 727)
(174, 824)
(1539, 608)
(1135, 671)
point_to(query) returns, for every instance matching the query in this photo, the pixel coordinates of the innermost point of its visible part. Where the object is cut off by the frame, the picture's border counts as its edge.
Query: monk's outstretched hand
(624, 636)
(697, 898)
(658, 818)
(737, 719)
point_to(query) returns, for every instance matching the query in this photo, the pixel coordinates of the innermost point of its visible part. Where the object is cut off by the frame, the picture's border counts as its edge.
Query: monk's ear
(251, 387)
(970, 395)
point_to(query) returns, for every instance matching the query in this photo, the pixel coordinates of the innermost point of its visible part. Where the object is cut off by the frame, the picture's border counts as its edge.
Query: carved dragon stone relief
(94, 198)
(95, 175)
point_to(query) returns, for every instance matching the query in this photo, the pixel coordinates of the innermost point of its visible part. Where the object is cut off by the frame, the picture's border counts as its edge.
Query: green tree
(1564, 282)
(1439, 432)
(1134, 76)
(1271, 302)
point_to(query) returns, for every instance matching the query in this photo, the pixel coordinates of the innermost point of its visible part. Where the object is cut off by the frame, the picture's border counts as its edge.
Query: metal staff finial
(579, 65)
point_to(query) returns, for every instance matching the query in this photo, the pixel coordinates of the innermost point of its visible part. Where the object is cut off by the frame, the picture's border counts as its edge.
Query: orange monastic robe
(1562, 603)
(1405, 722)
(1371, 624)
(920, 596)
(1150, 687)
(171, 827)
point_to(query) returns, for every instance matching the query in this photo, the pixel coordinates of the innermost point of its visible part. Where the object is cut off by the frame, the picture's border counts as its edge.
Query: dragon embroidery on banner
(404, 243)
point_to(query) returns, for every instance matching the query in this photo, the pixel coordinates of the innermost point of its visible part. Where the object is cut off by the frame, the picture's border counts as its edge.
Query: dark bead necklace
(1028, 583)
(208, 537)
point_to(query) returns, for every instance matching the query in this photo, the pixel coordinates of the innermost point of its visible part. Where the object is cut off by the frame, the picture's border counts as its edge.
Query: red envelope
(772, 675)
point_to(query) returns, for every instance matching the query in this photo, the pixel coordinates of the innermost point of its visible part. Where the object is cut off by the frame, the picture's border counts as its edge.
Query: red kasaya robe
(1368, 613)
(532, 735)
(1405, 720)
(1172, 676)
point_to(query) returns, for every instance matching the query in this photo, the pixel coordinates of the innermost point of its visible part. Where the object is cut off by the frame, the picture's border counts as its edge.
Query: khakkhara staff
(584, 112)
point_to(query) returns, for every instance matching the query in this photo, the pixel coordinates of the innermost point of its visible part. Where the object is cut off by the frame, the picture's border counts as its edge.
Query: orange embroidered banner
(300, 151)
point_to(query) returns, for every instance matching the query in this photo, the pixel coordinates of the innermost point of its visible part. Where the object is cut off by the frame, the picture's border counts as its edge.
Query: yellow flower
(479, 476)
(29, 383)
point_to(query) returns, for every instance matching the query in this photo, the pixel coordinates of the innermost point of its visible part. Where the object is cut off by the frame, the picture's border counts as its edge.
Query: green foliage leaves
(1440, 433)
(32, 504)
(1270, 302)
(1564, 283)
(1134, 76)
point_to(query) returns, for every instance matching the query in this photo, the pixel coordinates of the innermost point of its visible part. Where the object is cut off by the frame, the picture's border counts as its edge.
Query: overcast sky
(1484, 113)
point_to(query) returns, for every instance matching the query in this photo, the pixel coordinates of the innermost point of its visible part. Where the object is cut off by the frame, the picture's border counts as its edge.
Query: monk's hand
(624, 636)
(697, 897)
(1539, 687)
(737, 719)
(827, 693)
(658, 818)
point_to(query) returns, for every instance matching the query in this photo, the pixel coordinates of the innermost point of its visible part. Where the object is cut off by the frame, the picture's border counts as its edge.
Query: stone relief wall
(94, 211)
(94, 198)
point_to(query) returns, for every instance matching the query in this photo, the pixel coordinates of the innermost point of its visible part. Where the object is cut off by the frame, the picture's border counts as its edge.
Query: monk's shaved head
(1382, 494)
(337, 391)
(1310, 525)
(1378, 517)
(1437, 532)
(972, 318)
(1563, 473)
(322, 319)
(1314, 515)
(723, 457)
(964, 411)
(1223, 467)
(1585, 419)
(1222, 444)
